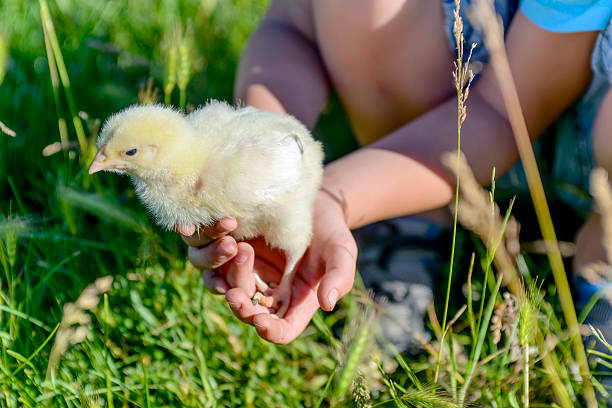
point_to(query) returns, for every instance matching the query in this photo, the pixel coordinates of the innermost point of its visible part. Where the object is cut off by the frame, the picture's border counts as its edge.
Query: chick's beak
(100, 163)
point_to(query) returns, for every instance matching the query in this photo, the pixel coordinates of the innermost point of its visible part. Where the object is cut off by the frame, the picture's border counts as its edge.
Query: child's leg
(589, 246)
(589, 240)
(587, 131)
(400, 258)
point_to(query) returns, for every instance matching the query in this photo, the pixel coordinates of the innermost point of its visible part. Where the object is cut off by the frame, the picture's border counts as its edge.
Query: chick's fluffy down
(265, 170)
(261, 168)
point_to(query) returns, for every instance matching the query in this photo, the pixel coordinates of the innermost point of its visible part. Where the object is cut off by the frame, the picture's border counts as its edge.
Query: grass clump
(155, 337)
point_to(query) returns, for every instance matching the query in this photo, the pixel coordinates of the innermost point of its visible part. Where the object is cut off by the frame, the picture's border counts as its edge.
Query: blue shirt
(564, 16)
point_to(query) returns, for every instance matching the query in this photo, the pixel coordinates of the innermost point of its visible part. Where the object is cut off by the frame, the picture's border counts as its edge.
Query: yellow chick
(261, 168)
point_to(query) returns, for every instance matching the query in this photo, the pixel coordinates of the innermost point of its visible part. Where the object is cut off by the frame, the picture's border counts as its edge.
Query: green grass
(156, 337)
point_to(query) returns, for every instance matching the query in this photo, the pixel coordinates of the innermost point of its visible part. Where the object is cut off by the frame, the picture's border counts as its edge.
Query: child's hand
(211, 247)
(325, 274)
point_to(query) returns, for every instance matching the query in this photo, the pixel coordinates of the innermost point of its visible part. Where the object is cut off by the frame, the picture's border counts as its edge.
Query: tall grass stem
(48, 26)
(55, 85)
(463, 79)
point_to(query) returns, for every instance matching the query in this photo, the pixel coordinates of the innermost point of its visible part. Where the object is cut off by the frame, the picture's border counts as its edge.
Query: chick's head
(141, 140)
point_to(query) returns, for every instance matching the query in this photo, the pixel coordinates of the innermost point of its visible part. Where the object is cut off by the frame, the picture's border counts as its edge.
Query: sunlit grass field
(152, 336)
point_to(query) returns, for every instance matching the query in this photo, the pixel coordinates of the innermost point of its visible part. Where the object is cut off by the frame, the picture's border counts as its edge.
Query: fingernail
(227, 246)
(241, 257)
(332, 298)
(234, 306)
(219, 289)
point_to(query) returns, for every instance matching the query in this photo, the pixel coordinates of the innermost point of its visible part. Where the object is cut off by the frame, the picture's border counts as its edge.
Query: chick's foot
(263, 289)
(261, 299)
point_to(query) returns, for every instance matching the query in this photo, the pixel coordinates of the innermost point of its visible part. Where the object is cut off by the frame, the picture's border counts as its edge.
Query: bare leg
(589, 247)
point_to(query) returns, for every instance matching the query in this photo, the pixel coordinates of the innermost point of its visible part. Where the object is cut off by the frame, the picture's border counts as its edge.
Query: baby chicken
(261, 168)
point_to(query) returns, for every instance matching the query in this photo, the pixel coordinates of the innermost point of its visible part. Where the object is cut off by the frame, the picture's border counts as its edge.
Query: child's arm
(402, 173)
(280, 69)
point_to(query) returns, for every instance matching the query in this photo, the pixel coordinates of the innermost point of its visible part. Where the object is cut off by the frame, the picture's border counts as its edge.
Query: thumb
(338, 278)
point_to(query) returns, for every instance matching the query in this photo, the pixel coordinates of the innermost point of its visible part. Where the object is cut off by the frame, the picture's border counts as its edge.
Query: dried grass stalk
(6, 130)
(503, 320)
(75, 322)
(147, 94)
(477, 213)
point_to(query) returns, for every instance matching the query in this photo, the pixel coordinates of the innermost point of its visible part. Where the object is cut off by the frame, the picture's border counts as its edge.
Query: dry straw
(6, 130)
(478, 213)
(147, 94)
(75, 322)
(503, 320)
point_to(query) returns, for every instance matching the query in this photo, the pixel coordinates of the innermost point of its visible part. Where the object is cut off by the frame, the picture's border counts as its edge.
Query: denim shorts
(564, 152)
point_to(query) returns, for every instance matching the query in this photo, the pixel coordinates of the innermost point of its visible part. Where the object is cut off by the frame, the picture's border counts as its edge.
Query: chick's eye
(131, 152)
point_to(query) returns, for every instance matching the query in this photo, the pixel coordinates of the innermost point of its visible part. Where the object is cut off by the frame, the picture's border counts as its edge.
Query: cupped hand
(324, 274)
(210, 247)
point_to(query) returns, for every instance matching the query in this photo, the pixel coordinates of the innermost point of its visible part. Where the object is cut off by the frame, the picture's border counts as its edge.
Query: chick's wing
(270, 166)
(282, 171)
(262, 155)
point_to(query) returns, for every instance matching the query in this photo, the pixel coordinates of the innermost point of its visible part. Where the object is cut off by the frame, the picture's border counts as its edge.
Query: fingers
(214, 255)
(207, 233)
(304, 304)
(270, 327)
(214, 282)
(275, 329)
(242, 305)
(338, 278)
(185, 229)
(280, 331)
(240, 270)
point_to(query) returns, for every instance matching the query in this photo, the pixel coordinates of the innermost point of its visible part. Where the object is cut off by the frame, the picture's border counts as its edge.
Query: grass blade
(55, 85)
(484, 327)
(63, 73)
(99, 206)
